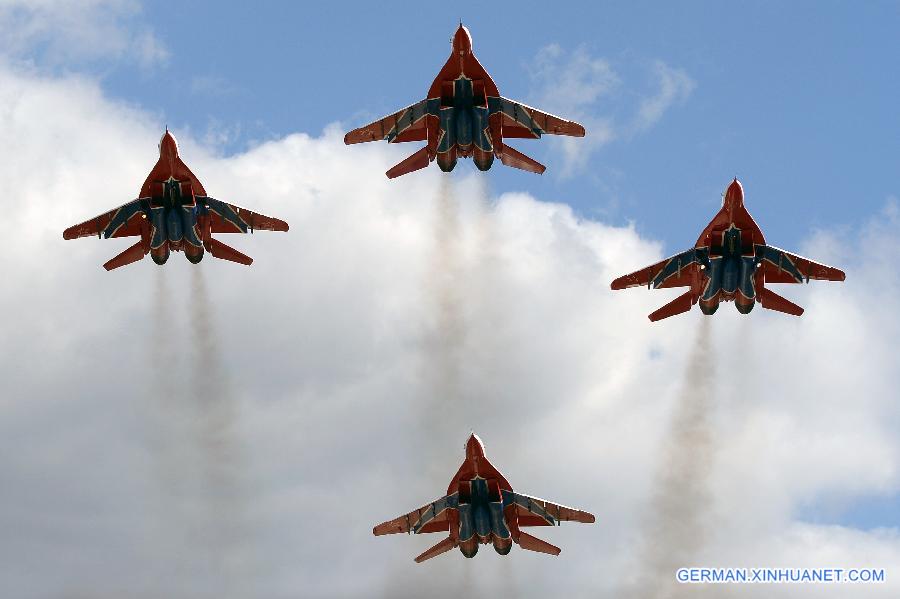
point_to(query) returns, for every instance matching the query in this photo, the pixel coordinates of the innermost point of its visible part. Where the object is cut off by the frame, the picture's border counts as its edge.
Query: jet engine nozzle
(483, 160)
(710, 306)
(447, 160)
(743, 305)
(193, 253)
(502, 546)
(160, 254)
(470, 547)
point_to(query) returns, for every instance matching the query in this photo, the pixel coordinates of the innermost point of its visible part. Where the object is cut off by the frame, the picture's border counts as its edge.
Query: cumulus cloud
(589, 89)
(65, 32)
(327, 347)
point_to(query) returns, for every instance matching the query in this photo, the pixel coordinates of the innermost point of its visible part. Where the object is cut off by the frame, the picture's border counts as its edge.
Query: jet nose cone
(474, 447)
(734, 195)
(168, 144)
(462, 40)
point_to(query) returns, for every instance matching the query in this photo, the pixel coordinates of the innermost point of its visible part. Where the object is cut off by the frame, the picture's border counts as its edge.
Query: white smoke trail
(224, 528)
(164, 420)
(455, 401)
(445, 417)
(443, 424)
(681, 498)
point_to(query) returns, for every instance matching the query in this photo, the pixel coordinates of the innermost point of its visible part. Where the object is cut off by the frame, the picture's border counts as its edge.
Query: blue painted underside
(225, 211)
(481, 515)
(413, 115)
(173, 217)
(517, 112)
(510, 497)
(725, 268)
(779, 259)
(463, 122)
(434, 510)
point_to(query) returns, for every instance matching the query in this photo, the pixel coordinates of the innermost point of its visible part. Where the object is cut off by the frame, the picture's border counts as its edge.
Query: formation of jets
(464, 115)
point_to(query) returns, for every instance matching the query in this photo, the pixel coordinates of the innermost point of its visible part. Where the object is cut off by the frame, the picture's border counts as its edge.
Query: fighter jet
(729, 262)
(480, 508)
(464, 115)
(173, 213)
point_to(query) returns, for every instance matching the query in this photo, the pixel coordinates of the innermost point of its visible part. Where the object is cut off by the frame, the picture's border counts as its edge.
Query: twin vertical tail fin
(132, 254)
(415, 162)
(526, 541)
(516, 159)
(680, 304)
(442, 547)
(220, 250)
(772, 301)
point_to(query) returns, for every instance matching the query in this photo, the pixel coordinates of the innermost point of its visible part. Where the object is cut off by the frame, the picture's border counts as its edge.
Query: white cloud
(572, 85)
(589, 89)
(337, 349)
(675, 85)
(52, 33)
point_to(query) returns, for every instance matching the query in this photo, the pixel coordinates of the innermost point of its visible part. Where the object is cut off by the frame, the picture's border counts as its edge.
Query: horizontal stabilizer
(442, 547)
(526, 541)
(679, 305)
(772, 301)
(413, 163)
(220, 250)
(516, 159)
(132, 254)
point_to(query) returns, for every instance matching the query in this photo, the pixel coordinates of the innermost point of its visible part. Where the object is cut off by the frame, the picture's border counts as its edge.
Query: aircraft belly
(448, 130)
(714, 274)
(480, 130)
(482, 522)
(730, 274)
(158, 222)
(174, 229)
(748, 269)
(466, 522)
(189, 226)
(498, 522)
(463, 127)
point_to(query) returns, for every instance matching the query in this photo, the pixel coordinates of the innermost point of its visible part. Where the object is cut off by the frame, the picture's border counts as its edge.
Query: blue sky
(384, 298)
(799, 102)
